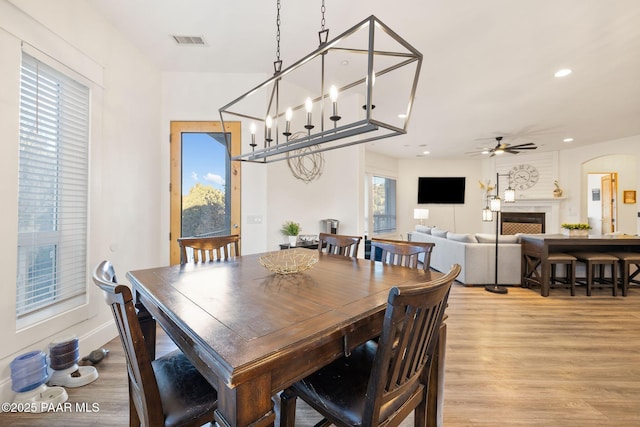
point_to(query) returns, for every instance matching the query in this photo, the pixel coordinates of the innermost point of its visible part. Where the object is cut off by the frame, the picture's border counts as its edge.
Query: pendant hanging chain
(323, 35)
(277, 64)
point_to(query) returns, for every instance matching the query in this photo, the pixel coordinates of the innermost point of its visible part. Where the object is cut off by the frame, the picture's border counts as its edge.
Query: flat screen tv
(442, 190)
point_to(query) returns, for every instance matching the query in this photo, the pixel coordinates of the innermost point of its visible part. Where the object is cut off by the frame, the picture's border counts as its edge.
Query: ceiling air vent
(189, 40)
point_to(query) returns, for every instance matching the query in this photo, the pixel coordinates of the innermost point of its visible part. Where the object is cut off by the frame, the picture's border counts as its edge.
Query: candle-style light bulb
(366, 83)
(333, 94)
(287, 125)
(268, 123)
(308, 105)
(252, 129)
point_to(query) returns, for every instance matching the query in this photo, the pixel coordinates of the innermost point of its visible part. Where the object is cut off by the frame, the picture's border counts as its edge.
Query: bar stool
(569, 279)
(625, 260)
(601, 260)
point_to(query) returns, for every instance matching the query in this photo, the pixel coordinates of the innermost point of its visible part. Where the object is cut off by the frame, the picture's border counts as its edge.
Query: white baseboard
(91, 341)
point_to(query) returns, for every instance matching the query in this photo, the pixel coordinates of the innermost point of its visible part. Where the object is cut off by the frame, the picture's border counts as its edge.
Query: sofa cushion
(491, 238)
(423, 229)
(439, 232)
(462, 237)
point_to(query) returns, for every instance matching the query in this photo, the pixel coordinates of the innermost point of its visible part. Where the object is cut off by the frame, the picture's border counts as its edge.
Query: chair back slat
(407, 344)
(208, 249)
(338, 244)
(143, 388)
(407, 254)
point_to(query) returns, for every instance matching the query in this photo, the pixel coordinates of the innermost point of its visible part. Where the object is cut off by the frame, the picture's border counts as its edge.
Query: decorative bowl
(289, 261)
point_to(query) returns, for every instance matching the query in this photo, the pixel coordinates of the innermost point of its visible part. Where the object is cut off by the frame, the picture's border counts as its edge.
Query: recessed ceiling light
(568, 140)
(402, 116)
(345, 62)
(426, 152)
(563, 73)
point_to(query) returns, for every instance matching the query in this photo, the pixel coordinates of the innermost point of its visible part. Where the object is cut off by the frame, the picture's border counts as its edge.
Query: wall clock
(524, 176)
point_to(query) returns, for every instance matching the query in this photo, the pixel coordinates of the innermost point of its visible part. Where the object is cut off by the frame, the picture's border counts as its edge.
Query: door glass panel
(206, 170)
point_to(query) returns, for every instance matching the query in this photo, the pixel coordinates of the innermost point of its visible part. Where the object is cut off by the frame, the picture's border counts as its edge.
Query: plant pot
(575, 232)
(293, 240)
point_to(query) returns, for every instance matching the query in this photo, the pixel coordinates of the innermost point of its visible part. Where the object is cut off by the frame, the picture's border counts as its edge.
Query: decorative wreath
(304, 164)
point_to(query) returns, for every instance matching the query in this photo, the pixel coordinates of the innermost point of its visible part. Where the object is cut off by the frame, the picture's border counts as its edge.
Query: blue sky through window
(203, 160)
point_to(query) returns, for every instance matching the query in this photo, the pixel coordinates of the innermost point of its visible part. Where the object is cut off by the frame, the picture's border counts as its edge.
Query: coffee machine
(329, 226)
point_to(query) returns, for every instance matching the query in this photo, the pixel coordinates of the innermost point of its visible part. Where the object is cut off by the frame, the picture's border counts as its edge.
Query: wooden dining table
(252, 333)
(537, 247)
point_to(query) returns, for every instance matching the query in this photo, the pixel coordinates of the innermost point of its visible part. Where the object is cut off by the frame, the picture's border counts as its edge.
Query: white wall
(125, 184)
(466, 218)
(577, 162)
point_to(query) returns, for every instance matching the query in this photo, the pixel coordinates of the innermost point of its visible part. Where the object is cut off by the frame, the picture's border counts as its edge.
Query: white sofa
(475, 253)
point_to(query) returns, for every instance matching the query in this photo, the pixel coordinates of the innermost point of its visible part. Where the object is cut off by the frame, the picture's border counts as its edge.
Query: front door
(205, 183)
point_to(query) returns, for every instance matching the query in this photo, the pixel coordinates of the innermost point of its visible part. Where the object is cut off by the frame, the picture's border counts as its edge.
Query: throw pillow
(439, 233)
(459, 237)
(423, 229)
(491, 238)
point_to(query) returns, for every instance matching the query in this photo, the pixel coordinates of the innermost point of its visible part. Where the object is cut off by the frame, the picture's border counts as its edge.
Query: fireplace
(522, 222)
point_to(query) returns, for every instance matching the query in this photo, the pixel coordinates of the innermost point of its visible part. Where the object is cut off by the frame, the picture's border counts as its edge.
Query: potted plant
(578, 229)
(291, 229)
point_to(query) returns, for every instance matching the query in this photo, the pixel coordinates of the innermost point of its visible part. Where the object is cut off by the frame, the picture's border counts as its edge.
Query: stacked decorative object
(29, 373)
(64, 355)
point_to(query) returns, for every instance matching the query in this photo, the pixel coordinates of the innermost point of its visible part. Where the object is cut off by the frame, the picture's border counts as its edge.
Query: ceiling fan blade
(525, 148)
(528, 144)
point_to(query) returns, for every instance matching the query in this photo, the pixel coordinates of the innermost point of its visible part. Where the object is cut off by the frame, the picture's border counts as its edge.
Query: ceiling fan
(502, 147)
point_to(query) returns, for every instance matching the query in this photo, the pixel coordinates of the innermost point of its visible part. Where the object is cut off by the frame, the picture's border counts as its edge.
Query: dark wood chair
(339, 244)
(407, 254)
(213, 248)
(381, 383)
(168, 391)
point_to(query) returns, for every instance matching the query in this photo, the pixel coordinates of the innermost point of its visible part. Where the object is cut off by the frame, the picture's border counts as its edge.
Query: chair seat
(185, 394)
(341, 387)
(558, 257)
(594, 256)
(627, 256)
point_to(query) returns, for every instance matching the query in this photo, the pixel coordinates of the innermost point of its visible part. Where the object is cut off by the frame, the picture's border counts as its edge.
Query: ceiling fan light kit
(332, 104)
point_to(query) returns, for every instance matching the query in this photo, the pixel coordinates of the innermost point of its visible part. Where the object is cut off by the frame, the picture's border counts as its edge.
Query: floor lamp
(494, 205)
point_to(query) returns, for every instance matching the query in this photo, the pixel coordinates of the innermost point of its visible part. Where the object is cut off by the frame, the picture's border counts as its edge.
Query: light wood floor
(512, 360)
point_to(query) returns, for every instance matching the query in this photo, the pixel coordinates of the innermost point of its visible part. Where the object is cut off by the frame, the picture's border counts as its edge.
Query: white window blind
(53, 185)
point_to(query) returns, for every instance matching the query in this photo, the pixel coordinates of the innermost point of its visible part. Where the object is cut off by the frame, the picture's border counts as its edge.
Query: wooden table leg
(148, 326)
(233, 408)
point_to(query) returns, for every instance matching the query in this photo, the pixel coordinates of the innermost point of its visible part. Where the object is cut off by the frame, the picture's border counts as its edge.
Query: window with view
(383, 204)
(52, 193)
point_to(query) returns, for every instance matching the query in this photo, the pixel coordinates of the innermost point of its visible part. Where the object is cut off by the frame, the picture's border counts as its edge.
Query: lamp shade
(421, 214)
(509, 195)
(487, 214)
(494, 204)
